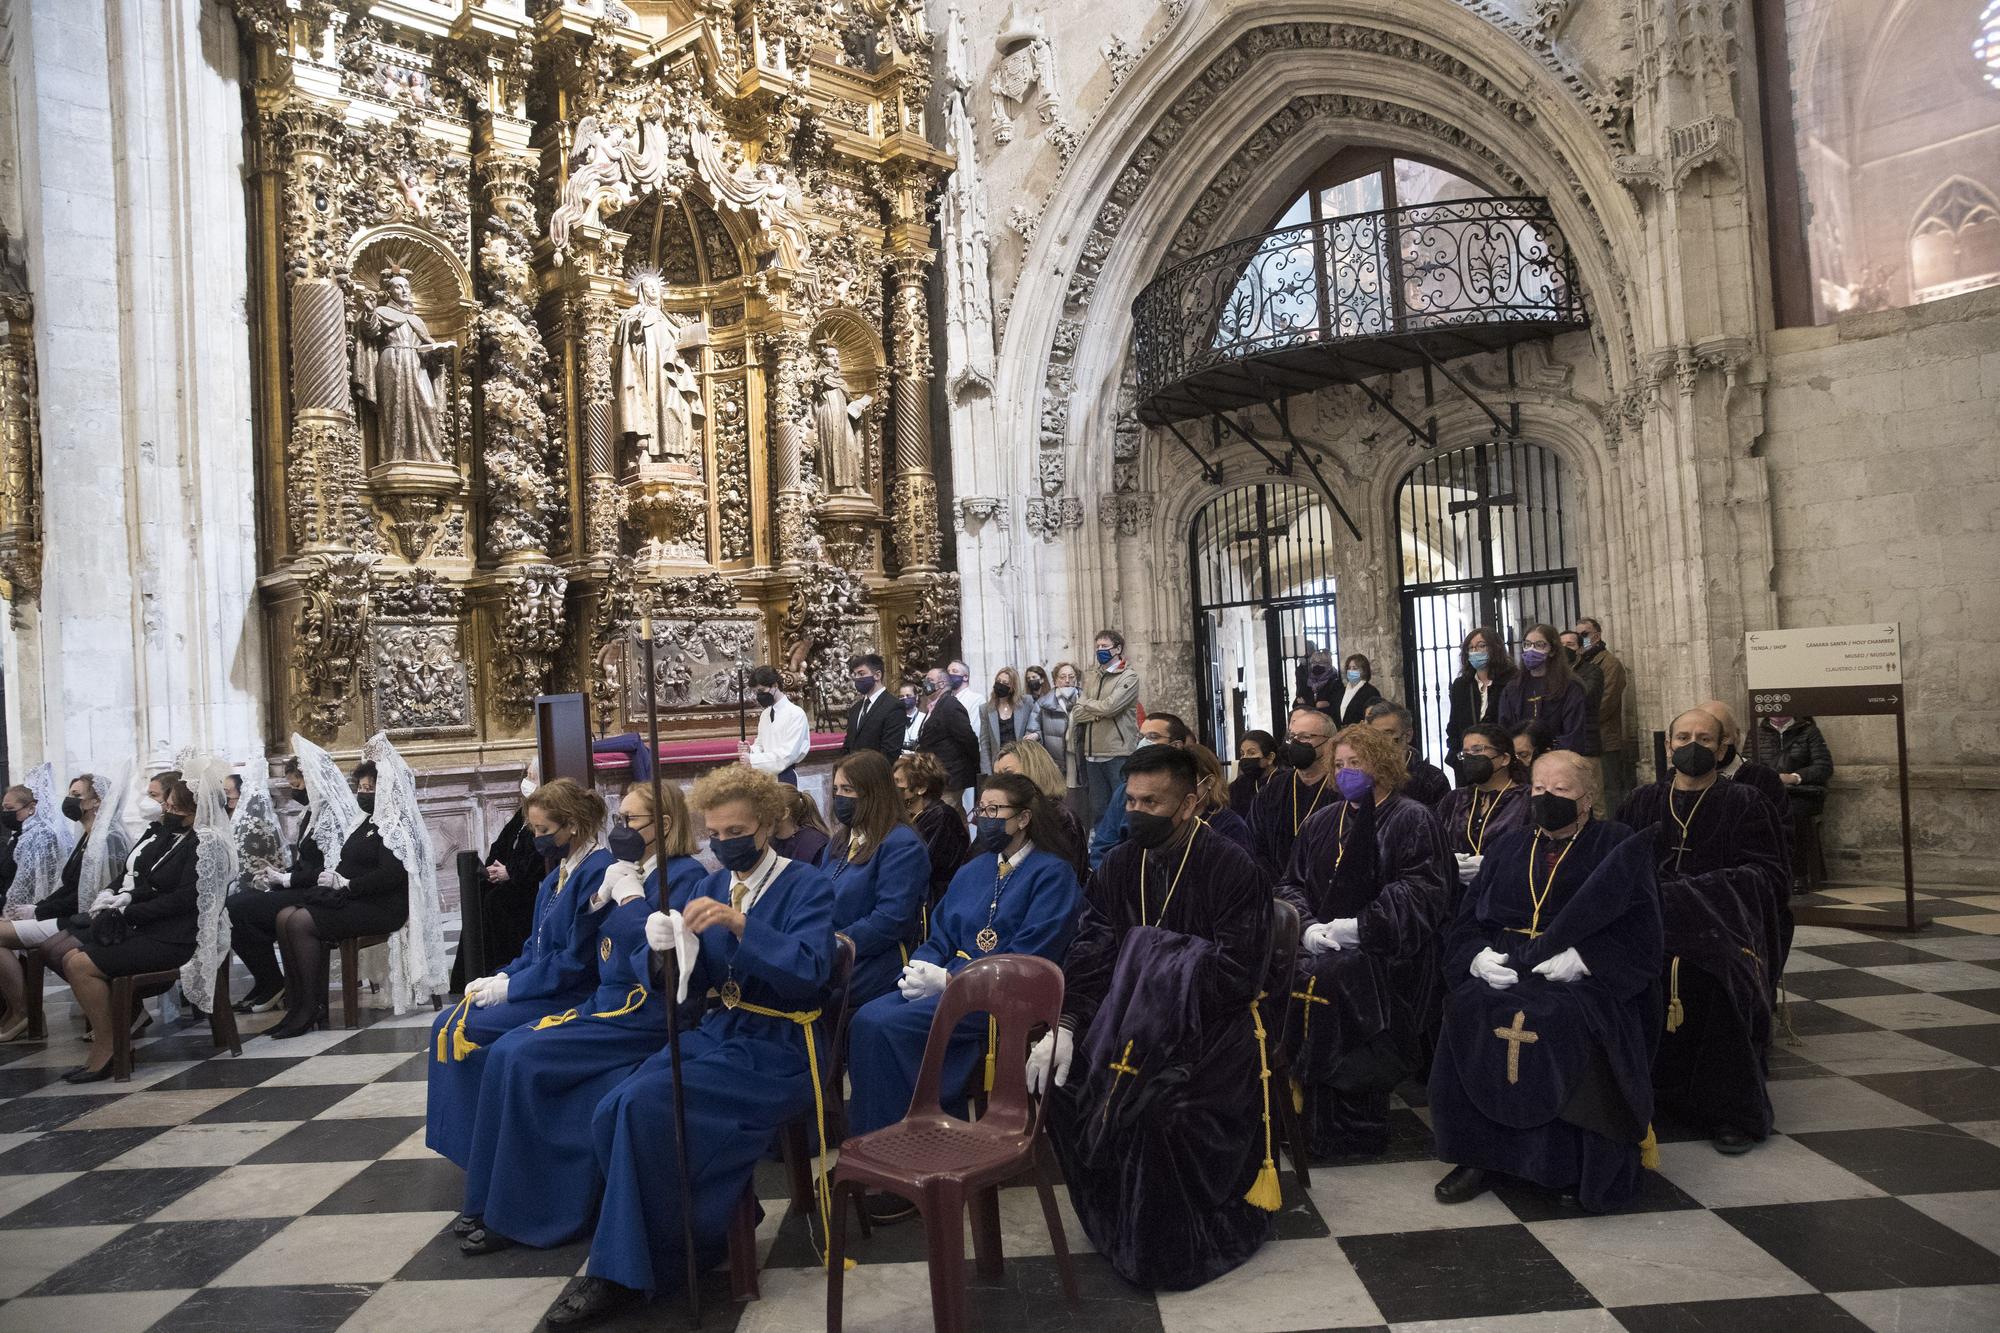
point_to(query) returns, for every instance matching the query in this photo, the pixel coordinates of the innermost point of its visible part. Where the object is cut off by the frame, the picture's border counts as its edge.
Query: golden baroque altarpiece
(573, 310)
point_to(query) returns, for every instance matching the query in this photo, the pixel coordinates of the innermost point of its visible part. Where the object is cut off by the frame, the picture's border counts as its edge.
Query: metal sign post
(1839, 671)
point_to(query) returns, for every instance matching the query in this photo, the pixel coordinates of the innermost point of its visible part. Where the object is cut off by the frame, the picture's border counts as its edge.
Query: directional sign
(1828, 656)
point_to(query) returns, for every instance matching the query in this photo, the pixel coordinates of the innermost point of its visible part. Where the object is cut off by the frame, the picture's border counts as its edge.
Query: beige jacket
(1104, 720)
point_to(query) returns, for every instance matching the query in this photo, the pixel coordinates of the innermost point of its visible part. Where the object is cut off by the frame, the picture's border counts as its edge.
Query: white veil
(104, 855)
(260, 845)
(44, 843)
(215, 876)
(335, 812)
(418, 968)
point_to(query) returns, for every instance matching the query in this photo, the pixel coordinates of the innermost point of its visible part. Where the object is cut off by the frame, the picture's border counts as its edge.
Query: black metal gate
(1485, 541)
(1262, 562)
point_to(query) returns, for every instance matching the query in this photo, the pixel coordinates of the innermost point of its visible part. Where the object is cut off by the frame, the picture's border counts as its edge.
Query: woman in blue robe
(748, 1069)
(1544, 1069)
(1029, 910)
(532, 1172)
(1369, 879)
(556, 971)
(880, 870)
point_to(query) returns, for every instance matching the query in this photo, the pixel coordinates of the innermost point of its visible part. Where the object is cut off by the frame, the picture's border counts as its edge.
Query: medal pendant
(988, 940)
(732, 994)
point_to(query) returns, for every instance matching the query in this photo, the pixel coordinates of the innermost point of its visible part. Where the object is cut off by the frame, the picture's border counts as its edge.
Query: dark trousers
(253, 930)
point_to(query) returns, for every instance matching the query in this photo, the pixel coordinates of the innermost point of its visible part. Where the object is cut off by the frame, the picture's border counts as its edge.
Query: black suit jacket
(1327, 699)
(947, 735)
(876, 727)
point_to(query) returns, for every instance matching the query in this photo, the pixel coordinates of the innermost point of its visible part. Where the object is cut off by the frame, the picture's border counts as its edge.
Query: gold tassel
(1675, 1012)
(1298, 1098)
(1264, 1192)
(1649, 1150)
(992, 1048)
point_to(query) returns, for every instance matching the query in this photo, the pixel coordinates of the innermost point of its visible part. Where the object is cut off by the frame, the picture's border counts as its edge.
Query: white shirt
(1347, 697)
(762, 875)
(913, 727)
(783, 737)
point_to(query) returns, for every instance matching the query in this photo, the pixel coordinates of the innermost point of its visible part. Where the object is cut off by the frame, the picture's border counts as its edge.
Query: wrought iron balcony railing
(1347, 298)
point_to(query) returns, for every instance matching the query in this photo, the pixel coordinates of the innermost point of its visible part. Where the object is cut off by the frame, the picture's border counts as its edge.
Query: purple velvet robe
(1474, 819)
(1720, 901)
(1566, 1110)
(1366, 1015)
(1280, 811)
(1162, 981)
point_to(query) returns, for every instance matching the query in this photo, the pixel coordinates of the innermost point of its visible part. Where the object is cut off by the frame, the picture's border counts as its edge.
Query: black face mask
(73, 808)
(1474, 769)
(366, 800)
(1249, 768)
(173, 823)
(1694, 760)
(299, 795)
(1300, 755)
(1003, 691)
(10, 821)
(1551, 811)
(765, 698)
(1036, 686)
(1149, 830)
(1728, 755)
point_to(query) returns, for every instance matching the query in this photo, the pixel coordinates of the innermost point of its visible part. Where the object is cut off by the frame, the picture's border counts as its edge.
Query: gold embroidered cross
(1516, 1037)
(1529, 931)
(1119, 1069)
(1309, 999)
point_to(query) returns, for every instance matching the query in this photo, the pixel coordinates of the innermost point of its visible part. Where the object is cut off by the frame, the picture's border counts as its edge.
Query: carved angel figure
(399, 371)
(837, 424)
(659, 396)
(596, 171)
(761, 191)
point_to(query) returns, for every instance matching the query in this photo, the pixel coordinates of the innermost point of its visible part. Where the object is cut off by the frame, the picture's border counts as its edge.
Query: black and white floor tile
(290, 1189)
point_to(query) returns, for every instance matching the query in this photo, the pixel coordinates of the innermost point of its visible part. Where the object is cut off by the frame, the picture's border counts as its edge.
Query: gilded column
(593, 318)
(915, 493)
(20, 451)
(784, 357)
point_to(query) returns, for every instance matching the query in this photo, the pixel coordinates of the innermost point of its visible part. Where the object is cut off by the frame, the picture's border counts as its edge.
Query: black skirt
(134, 954)
(370, 916)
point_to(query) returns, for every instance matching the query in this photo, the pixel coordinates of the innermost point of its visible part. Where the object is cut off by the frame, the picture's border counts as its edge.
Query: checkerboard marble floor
(290, 1189)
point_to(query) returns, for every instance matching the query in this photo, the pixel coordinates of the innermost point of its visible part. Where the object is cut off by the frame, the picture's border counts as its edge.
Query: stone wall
(1883, 438)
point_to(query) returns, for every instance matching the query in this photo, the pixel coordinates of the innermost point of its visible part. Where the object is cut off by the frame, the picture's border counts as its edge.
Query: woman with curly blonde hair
(1371, 877)
(759, 934)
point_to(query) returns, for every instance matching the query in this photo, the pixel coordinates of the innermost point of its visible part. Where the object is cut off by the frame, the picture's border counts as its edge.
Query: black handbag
(109, 927)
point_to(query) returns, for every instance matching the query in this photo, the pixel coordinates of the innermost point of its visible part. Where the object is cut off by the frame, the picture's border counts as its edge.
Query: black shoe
(464, 1225)
(586, 1300)
(296, 1023)
(1732, 1142)
(260, 1002)
(1462, 1185)
(887, 1209)
(482, 1240)
(85, 1074)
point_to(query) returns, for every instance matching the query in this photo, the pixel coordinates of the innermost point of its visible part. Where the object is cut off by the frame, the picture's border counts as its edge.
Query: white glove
(332, 879)
(492, 993)
(1565, 966)
(1319, 939)
(1346, 932)
(1055, 1049)
(667, 933)
(477, 985)
(274, 878)
(19, 912)
(1490, 968)
(103, 901)
(1468, 867)
(920, 979)
(621, 884)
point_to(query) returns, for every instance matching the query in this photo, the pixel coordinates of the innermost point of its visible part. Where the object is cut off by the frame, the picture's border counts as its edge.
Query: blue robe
(1580, 1096)
(533, 1168)
(744, 1075)
(1036, 911)
(1366, 1016)
(1280, 811)
(557, 970)
(876, 903)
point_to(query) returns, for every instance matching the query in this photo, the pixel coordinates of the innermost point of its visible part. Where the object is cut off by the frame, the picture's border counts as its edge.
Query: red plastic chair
(943, 1164)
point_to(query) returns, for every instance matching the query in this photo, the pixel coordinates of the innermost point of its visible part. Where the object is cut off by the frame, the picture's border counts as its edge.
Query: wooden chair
(126, 994)
(1280, 976)
(947, 1166)
(795, 1139)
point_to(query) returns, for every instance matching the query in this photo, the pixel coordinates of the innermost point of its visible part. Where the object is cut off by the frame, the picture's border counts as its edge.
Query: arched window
(1955, 245)
(1485, 539)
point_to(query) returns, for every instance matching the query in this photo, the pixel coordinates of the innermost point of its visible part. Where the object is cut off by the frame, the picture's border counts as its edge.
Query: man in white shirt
(783, 736)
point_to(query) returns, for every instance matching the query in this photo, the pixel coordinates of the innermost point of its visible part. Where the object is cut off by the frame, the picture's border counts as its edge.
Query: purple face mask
(1533, 658)
(1353, 783)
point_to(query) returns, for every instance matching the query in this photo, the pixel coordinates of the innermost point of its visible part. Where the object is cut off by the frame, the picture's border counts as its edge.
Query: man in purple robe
(1722, 878)
(1288, 800)
(1544, 1067)
(1371, 880)
(1157, 1076)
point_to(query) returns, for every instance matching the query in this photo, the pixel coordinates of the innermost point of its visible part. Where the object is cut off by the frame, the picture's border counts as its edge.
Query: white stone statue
(837, 425)
(659, 395)
(399, 371)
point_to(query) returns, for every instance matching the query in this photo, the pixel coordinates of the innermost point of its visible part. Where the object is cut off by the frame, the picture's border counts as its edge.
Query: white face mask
(149, 809)
(527, 788)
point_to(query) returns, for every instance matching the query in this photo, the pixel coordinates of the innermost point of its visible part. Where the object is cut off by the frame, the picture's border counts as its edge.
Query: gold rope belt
(806, 1019)
(633, 999)
(1264, 1192)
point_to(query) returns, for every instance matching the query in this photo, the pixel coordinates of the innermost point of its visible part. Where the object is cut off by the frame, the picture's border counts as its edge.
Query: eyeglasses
(1469, 753)
(997, 811)
(634, 822)
(1307, 738)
